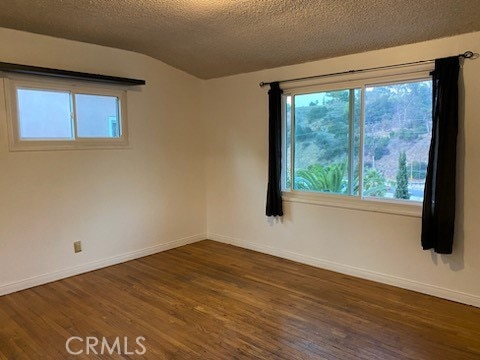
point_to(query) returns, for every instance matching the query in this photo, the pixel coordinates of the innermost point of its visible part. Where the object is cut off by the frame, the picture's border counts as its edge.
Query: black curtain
(439, 198)
(274, 194)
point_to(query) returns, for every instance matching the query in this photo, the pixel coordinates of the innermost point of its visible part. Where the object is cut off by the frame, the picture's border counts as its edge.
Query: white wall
(119, 203)
(126, 203)
(383, 247)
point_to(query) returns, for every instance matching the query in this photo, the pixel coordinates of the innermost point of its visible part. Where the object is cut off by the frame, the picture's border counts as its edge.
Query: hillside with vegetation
(397, 123)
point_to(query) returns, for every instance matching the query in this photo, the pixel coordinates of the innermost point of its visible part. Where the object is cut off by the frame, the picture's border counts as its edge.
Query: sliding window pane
(398, 130)
(97, 116)
(44, 115)
(322, 142)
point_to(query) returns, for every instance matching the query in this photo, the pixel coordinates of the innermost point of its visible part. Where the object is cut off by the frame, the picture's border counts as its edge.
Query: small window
(367, 141)
(47, 115)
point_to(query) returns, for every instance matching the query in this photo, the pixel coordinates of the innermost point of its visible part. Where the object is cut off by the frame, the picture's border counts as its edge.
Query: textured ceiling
(213, 38)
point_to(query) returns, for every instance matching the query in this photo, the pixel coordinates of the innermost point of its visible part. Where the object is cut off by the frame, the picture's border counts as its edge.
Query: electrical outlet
(77, 246)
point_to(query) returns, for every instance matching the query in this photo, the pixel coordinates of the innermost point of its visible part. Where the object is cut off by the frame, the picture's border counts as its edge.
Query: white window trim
(408, 208)
(387, 206)
(14, 81)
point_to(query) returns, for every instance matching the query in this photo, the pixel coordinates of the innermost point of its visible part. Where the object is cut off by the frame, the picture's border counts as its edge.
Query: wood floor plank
(215, 301)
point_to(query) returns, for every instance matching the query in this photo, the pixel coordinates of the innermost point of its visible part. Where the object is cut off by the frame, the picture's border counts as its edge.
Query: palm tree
(322, 178)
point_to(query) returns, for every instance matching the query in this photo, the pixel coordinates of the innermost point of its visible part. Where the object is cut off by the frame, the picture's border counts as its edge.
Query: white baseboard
(95, 265)
(423, 288)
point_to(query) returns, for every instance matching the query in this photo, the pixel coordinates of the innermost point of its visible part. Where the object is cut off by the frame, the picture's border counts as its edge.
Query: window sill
(84, 144)
(396, 207)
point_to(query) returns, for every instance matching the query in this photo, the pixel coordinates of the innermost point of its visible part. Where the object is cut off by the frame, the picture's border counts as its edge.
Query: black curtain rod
(64, 74)
(466, 55)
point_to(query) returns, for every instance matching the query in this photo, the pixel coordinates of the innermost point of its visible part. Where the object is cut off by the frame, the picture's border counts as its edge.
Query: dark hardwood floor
(214, 301)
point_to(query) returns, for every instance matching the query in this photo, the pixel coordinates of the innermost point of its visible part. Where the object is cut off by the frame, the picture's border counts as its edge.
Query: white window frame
(12, 82)
(352, 81)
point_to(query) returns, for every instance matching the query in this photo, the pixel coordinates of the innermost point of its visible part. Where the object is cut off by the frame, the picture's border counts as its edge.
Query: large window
(368, 141)
(45, 114)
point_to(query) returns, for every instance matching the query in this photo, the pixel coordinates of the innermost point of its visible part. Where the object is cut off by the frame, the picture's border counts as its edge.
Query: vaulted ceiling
(214, 38)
